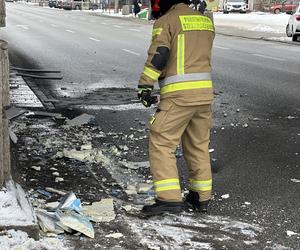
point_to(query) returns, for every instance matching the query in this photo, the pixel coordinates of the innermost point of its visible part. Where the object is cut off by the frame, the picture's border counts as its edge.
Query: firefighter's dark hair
(165, 5)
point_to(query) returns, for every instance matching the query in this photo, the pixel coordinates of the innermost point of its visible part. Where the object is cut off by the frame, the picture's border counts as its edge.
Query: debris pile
(70, 216)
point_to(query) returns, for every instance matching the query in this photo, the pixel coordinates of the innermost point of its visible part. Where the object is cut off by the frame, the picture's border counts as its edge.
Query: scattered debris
(14, 112)
(225, 196)
(13, 136)
(211, 150)
(291, 117)
(238, 110)
(45, 193)
(245, 125)
(47, 222)
(290, 233)
(135, 165)
(36, 168)
(247, 203)
(101, 211)
(70, 201)
(295, 180)
(81, 120)
(59, 179)
(75, 221)
(144, 188)
(53, 190)
(256, 119)
(114, 235)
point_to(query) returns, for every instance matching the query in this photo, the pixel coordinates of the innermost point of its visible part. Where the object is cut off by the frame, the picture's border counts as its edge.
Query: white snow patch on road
(10, 211)
(264, 28)
(187, 231)
(113, 107)
(255, 21)
(19, 240)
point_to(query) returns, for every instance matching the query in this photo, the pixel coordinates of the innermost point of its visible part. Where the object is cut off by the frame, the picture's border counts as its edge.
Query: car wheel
(295, 38)
(77, 7)
(94, 7)
(277, 11)
(287, 31)
(225, 12)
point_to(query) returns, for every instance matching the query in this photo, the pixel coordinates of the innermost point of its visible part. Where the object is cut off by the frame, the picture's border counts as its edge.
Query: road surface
(256, 130)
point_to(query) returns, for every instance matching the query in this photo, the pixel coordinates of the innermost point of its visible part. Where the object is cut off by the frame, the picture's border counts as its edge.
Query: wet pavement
(255, 138)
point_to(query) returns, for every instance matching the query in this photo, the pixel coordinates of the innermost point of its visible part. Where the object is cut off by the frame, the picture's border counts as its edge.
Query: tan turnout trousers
(190, 124)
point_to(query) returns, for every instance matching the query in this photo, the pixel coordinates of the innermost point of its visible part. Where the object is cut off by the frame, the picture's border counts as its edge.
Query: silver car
(293, 26)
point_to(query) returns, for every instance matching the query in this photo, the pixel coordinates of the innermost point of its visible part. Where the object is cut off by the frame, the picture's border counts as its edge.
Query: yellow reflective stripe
(151, 73)
(185, 86)
(196, 185)
(180, 54)
(152, 119)
(157, 31)
(168, 184)
(196, 22)
(166, 181)
(160, 189)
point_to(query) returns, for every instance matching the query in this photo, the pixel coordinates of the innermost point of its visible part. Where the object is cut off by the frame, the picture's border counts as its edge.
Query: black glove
(144, 95)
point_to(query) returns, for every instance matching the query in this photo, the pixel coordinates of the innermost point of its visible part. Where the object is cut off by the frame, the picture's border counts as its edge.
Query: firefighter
(179, 58)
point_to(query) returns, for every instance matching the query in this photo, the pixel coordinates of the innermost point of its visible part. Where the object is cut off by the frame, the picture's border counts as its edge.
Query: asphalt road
(256, 131)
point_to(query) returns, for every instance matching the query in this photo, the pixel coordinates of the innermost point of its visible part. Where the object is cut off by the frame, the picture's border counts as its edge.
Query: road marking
(71, 31)
(25, 27)
(135, 30)
(131, 52)
(117, 26)
(269, 57)
(220, 47)
(53, 25)
(94, 39)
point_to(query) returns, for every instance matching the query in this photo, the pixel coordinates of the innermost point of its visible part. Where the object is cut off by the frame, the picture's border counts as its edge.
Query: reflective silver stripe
(184, 78)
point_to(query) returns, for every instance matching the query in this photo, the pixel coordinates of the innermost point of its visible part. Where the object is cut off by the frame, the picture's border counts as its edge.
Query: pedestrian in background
(136, 7)
(202, 6)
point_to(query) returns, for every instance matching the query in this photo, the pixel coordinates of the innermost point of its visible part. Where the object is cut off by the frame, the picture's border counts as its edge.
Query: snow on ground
(255, 21)
(11, 212)
(186, 231)
(18, 240)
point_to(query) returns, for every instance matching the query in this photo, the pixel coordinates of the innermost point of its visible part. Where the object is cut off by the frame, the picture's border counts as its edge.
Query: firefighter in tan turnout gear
(179, 59)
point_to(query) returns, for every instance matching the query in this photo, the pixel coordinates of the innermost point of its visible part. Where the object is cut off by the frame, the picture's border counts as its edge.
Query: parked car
(285, 6)
(234, 6)
(293, 26)
(52, 3)
(59, 4)
(79, 4)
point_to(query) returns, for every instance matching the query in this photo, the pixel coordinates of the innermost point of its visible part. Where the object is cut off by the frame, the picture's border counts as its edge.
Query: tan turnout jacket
(179, 57)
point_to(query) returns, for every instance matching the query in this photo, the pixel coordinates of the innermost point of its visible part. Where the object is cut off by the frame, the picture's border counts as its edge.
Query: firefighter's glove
(144, 95)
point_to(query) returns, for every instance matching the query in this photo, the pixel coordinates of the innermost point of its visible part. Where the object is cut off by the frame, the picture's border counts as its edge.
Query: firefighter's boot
(192, 201)
(160, 207)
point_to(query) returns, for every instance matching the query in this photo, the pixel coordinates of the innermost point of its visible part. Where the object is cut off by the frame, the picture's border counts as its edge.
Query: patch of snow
(186, 231)
(16, 240)
(113, 107)
(264, 28)
(225, 196)
(295, 180)
(290, 233)
(11, 213)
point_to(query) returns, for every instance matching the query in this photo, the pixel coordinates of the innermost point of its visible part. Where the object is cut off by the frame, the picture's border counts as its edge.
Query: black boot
(160, 207)
(192, 200)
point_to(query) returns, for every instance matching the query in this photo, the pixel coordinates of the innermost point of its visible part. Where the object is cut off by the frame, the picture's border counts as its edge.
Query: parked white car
(293, 26)
(234, 6)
